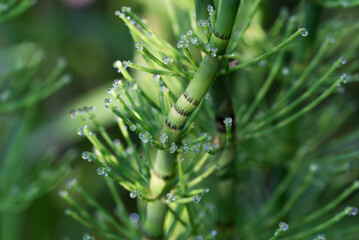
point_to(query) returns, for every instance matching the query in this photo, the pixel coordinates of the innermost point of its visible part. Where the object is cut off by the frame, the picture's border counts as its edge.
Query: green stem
(164, 166)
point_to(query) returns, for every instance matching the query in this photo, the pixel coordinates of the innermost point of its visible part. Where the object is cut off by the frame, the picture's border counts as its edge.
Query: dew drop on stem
(304, 32)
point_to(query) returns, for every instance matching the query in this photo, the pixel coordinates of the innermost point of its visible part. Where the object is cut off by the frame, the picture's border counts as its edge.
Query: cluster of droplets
(81, 111)
(163, 138)
(228, 122)
(282, 228)
(207, 147)
(145, 137)
(139, 46)
(342, 60)
(211, 10)
(211, 50)
(121, 14)
(172, 148)
(87, 156)
(103, 171)
(351, 211)
(135, 194)
(197, 198)
(167, 59)
(189, 38)
(205, 25)
(196, 148)
(108, 101)
(81, 131)
(185, 148)
(319, 237)
(171, 197)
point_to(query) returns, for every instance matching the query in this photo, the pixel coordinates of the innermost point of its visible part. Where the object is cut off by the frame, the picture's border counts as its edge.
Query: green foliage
(274, 139)
(22, 88)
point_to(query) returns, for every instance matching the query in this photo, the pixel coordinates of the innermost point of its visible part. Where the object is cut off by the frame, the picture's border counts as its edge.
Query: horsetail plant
(269, 171)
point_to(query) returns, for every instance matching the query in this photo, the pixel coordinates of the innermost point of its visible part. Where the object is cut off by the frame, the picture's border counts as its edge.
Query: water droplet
(80, 132)
(4, 96)
(73, 113)
(331, 38)
(87, 237)
(132, 195)
(197, 198)
(206, 190)
(85, 155)
(180, 44)
(213, 232)
(262, 63)
(285, 71)
(228, 121)
(67, 211)
(199, 237)
(343, 76)
(313, 167)
(210, 8)
(71, 182)
(139, 46)
(63, 193)
(133, 127)
(107, 106)
(100, 171)
(343, 61)
(319, 237)
(283, 226)
(171, 197)
(117, 64)
(167, 59)
(126, 64)
(207, 23)
(134, 217)
(201, 22)
(164, 89)
(345, 3)
(351, 211)
(150, 34)
(304, 32)
(125, 9)
(110, 89)
(139, 194)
